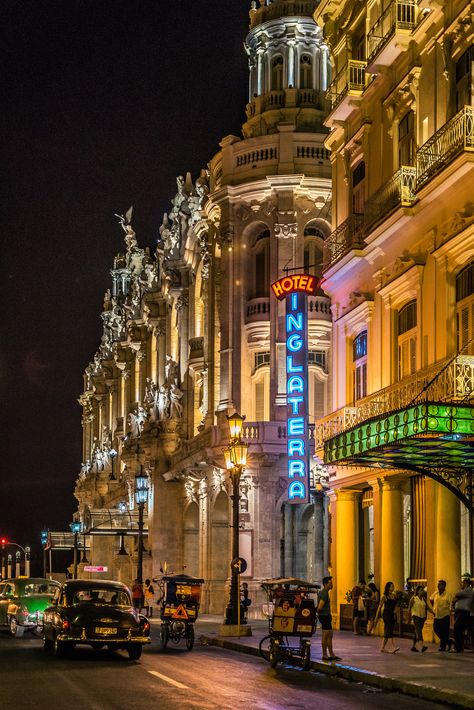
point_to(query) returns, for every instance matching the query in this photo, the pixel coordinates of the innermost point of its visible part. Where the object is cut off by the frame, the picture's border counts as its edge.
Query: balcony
(451, 380)
(454, 138)
(319, 307)
(271, 433)
(257, 309)
(350, 82)
(391, 33)
(349, 235)
(399, 191)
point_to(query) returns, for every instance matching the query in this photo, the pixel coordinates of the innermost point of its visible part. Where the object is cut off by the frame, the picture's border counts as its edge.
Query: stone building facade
(399, 268)
(191, 334)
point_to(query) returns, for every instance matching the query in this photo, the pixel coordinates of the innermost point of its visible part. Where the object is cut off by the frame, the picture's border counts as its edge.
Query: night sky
(103, 104)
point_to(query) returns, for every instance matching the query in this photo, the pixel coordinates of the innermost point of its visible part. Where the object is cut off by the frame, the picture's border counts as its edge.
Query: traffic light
(44, 537)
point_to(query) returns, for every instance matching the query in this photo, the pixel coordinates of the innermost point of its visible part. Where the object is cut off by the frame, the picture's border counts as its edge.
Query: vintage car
(94, 613)
(23, 601)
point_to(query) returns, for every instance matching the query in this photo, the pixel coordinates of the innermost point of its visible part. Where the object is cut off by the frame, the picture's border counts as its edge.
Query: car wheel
(164, 635)
(47, 645)
(15, 629)
(60, 649)
(134, 652)
(190, 637)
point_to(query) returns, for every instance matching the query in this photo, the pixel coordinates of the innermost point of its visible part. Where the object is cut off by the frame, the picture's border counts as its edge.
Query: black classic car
(95, 613)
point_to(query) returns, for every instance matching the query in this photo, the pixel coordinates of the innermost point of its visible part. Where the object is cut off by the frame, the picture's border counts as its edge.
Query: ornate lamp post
(235, 460)
(76, 528)
(27, 561)
(141, 497)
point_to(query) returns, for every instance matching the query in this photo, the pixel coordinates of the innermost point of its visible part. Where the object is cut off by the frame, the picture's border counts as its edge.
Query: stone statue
(107, 300)
(85, 468)
(151, 398)
(171, 371)
(163, 403)
(176, 408)
(88, 374)
(97, 363)
(125, 222)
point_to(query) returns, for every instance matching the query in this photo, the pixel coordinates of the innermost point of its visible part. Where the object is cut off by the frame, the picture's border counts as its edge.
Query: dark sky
(103, 104)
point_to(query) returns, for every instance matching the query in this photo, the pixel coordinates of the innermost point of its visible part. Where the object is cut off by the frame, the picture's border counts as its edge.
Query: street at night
(205, 679)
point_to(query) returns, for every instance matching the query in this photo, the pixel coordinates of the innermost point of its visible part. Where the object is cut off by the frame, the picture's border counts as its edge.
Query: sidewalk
(441, 677)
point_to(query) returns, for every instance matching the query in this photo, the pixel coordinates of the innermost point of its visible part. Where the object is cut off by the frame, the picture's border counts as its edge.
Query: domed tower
(289, 67)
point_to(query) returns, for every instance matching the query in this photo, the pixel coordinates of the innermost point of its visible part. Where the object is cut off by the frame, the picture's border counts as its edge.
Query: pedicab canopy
(182, 597)
(293, 613)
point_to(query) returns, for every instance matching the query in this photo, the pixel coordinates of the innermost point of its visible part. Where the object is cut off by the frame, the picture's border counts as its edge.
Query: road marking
(425, 665)
(169, 680)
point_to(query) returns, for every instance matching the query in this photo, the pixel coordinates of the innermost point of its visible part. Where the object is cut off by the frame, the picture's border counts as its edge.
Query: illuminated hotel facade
(399, 268)
(192, 334)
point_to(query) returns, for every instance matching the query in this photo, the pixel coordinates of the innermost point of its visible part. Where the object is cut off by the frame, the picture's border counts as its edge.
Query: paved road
(205, 679)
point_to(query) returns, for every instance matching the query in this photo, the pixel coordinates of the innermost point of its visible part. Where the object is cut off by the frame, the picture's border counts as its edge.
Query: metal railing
(398, 191)
(456, 136)
(349, 235)
(350, 80)
(446, 381)
(400, 15)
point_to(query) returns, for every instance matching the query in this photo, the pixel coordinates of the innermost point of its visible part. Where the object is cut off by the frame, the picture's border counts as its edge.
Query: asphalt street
(206, 678)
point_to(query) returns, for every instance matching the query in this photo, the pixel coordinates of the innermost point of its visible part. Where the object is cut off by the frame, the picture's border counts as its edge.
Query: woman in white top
(419, 606)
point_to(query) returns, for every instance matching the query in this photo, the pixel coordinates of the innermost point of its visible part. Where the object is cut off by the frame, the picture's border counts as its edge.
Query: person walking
(418, 610)
(463, 600)
(324, 615)
(386, 610)
(149, 593)
(441, 602)
(358, 606)
(137, 595)
(372, 606)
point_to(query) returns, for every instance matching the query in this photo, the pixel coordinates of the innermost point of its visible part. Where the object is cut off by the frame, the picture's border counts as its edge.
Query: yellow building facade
(399, 268)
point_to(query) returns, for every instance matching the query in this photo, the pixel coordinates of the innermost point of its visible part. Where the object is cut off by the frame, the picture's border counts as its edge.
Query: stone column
(347, 544)
(391, 542)
(448, 538)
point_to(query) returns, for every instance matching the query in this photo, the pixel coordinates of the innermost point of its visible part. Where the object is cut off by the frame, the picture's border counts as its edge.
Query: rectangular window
(465, 79)
(261, 359)
(406, 140)
(360, 381)
(318, 358)
(260, 401)
(465, 328)
(406, 356)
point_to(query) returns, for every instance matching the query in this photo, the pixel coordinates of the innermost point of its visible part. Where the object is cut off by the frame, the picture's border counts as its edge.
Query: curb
(357, 675)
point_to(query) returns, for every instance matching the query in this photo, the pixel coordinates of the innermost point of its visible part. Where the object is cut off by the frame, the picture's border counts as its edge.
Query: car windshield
(39, 588)
(111, 597)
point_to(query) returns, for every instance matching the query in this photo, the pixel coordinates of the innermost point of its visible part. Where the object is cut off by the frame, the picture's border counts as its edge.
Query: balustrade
(352, 80)
(349, 235)
(258, 309)
(398, 191)
(257, 156)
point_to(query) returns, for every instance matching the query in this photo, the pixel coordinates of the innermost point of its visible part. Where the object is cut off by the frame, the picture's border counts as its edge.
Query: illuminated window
(313, 250)
(406, 140)
(318, 358)
(277, 73)
(407, 322)
(464, 79)
(465, 309)
(359, 366)
(358, 188)
(261, 359)
(306, 72)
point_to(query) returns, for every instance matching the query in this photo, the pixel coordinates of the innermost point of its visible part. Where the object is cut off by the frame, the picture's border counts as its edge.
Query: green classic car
(23, 601)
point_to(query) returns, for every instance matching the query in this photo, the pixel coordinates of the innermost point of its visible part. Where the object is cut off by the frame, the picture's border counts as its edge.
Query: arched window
(306, 72)
(359, 365)
(261, 394)
(465, 309)
(261, 288)
(358, 188)
(407, 322)
(313, 250)
(277, 73)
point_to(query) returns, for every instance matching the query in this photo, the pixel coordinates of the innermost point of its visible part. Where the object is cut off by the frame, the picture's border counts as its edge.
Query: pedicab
(179, 608)
(292, 622)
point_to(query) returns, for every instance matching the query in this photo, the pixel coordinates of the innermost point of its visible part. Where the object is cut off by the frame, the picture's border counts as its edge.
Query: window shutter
(260, 401)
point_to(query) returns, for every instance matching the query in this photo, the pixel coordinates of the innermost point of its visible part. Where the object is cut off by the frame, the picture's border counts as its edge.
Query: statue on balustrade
(176, 408)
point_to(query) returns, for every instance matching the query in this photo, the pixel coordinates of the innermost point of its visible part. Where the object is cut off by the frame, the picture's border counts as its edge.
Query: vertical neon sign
(295, 290)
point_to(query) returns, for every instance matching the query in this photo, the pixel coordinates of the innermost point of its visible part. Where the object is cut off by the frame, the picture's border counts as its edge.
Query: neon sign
(295, 289)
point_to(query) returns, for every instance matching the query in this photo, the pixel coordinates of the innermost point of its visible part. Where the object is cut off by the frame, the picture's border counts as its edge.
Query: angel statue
(176, 408)
(125, 222)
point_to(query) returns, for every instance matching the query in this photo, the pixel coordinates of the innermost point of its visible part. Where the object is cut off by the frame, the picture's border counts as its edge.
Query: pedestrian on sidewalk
(372, 606)
(149, 597)
(441, 602)
(324, 614)
(137, 595)
(418, 609)
(386, 610)
(463, 600)
(358, 606)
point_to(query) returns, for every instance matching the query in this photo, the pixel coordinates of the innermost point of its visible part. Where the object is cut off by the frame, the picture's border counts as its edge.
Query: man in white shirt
(442, 602)
(462, 613)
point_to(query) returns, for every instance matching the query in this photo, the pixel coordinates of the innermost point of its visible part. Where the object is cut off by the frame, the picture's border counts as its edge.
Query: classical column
(391, 542)
(347, 543)
(291, 65)
(448, 538)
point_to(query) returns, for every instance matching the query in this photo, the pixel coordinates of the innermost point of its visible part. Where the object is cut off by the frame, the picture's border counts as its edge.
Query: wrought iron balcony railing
(351, 80)
(349, 235)
(400, 16)
(398, 191)
(446, 381)
(456, 136)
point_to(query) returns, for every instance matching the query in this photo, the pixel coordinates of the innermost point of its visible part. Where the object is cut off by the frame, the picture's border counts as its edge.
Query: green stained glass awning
(429, 435)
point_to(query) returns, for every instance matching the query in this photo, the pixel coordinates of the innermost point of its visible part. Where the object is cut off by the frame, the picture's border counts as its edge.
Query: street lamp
(27, 561)
(235, 460)
(141, 497)
(76, 528)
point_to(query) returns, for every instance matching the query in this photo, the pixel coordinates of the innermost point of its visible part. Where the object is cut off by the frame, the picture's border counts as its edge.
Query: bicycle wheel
(190, 637)
(264, 647)
(164, 636)
(275, 652)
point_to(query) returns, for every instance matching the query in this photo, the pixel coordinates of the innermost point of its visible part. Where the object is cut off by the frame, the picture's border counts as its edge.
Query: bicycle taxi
(179, 608)
(292, 621)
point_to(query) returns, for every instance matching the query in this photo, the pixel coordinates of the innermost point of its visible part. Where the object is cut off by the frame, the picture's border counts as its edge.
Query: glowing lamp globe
(236, 422)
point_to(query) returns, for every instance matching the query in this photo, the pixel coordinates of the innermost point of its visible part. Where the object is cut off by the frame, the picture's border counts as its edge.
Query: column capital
(348, 494)
(391, 483)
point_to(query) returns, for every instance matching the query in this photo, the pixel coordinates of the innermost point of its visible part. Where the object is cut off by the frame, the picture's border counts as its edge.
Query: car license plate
(106, 631)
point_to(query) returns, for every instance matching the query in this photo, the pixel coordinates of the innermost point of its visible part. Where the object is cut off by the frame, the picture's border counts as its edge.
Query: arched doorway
(220, 553)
